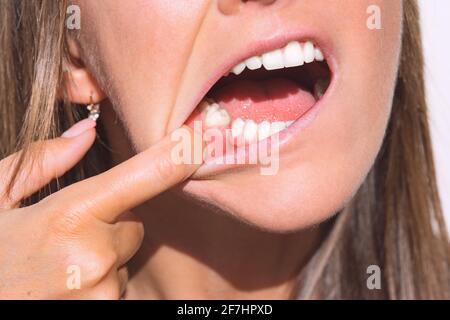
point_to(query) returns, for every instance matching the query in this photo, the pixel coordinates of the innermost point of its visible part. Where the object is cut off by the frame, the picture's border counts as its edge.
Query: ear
(78, 84)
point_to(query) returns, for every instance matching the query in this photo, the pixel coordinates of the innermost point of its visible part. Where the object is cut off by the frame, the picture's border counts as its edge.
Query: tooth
(237, 70)
(212, 106)
(273, 60)
(308, 52)
(289, 123)
(293, 55)
(225, 117)
(253, 63)
(319, 88)
(237, 128)
(217, 117)
(263, 130)
(318, 54)
(250, 131)
(204, 105)
(276, 127)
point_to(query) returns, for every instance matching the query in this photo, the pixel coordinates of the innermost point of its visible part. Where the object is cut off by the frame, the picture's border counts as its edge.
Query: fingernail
(78, 128)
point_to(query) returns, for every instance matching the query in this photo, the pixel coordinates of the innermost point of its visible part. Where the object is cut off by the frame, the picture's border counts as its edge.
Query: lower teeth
(241, 130)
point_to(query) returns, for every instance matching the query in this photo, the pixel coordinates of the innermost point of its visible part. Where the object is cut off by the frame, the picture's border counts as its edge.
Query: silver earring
(94, 111)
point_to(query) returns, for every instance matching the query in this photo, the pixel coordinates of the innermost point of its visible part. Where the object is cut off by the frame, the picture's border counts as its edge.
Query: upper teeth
(294, 54)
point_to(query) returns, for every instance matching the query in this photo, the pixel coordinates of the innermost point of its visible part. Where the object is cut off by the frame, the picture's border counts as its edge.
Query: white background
(436, 32)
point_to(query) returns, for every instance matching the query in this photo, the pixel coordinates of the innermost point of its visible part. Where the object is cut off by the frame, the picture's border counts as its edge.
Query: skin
(189, 249)
(93, 231)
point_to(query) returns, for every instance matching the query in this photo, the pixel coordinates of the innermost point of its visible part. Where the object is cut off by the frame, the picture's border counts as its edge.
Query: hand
(83, 230)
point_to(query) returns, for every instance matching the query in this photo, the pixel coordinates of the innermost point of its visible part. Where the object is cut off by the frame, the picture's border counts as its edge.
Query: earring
(94, 110)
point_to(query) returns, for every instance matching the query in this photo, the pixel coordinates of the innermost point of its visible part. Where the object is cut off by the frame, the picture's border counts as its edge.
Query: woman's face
(158, 59)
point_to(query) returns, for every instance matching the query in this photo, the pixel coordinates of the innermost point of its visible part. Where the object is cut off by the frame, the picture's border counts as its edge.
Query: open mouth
(265, 94)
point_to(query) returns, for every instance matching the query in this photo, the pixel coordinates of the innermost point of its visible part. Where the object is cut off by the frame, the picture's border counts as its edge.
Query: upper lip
(259, 47)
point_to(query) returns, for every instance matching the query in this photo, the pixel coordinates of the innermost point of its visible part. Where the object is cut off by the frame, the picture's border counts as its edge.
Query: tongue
(277, 99)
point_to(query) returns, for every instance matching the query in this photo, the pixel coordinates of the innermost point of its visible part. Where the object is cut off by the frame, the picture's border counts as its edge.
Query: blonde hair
(395, 221)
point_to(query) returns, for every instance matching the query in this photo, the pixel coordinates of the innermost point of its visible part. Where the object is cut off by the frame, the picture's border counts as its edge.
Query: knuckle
(136, 227)
(110, 290)
(100, 266)
(133, 230)
(94, 266)
(135, 238)
(140, 232)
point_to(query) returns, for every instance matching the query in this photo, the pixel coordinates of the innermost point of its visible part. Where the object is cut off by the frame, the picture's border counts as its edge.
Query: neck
(192, 252)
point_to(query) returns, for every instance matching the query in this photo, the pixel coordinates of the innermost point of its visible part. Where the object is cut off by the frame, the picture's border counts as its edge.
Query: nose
(230, 7)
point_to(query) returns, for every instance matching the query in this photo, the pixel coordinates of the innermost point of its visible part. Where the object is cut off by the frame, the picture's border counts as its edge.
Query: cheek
(144, 46)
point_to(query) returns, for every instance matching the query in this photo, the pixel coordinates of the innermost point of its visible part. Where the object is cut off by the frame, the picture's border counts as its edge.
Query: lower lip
(286, 137)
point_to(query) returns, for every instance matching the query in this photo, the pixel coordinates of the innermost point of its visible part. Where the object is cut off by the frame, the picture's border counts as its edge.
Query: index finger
(136, 180)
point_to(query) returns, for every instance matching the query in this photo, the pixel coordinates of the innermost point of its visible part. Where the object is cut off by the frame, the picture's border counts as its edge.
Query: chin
(300, 196)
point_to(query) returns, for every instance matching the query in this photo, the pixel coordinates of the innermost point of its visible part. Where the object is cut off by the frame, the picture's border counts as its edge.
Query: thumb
(49, 159)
